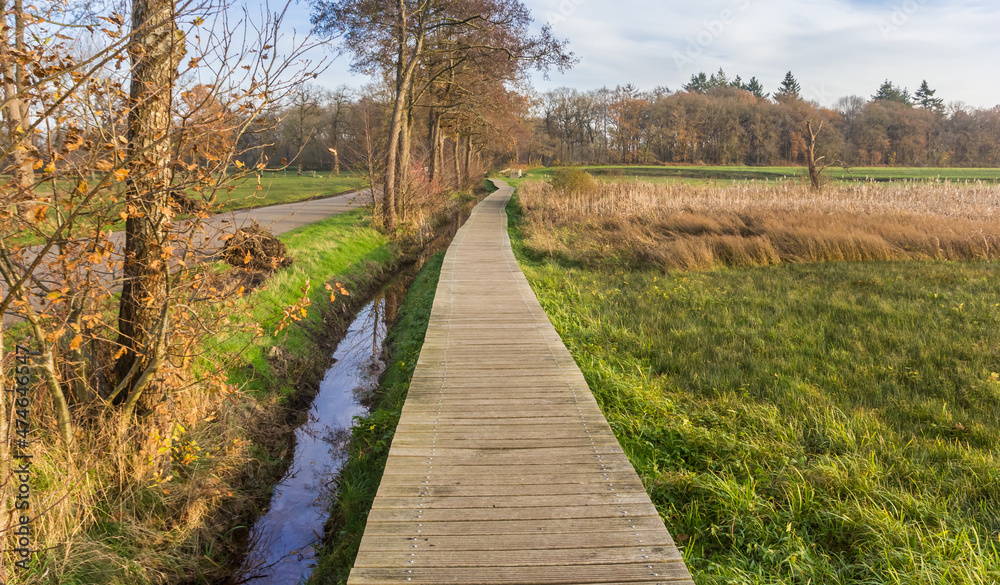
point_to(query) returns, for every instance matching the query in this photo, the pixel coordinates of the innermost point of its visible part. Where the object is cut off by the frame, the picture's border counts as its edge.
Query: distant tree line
(717, 120)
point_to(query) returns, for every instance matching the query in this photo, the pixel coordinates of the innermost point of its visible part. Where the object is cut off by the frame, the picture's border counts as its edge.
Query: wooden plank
(511, 501)
(503, 528)
(506, 451)
(447, 470)
(390, 490)
(513, 431)
(440, 558)
(514, 480)
(502, 512)
(582, 540)
(653, 572)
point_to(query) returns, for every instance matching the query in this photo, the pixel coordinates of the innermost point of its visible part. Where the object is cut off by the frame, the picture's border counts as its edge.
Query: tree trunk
(458, 163)
(434, 132)
(814, 171)
(405, 140)
(406, 66)
(156, 51)
(441, 156)
(468, 157)
(16, 113)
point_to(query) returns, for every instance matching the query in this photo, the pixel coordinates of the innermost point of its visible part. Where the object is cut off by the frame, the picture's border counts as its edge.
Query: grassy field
(801, 423)
(288, 188)
(702, 174)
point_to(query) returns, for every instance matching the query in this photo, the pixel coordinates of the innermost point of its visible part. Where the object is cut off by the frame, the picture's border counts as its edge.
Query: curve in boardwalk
(503, 469)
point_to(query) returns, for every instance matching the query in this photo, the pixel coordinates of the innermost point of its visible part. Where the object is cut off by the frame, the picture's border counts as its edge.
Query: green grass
(698, 174)
(825, 423)
(372, 435)
(344, 247)
(279, 188)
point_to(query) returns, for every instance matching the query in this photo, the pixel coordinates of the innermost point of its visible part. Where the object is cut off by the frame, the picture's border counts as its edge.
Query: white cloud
(835, 48)
(839, 48)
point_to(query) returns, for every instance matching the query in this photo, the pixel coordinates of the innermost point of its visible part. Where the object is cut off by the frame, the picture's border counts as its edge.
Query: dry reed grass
(159, 497)
(694, 227)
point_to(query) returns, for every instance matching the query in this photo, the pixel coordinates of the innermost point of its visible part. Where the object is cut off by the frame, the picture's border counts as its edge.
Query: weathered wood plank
(391, 490)
(503, 528)
(429, 502)
(513, 480)
(652, 572)
(503, 512)
(529, 541)
(506, 451)
(440, 558)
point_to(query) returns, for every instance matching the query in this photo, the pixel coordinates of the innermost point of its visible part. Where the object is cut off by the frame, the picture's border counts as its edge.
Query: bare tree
(394, 38)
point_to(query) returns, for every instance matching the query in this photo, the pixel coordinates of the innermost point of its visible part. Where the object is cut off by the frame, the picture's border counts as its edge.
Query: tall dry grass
(147, 507)
(694, 227)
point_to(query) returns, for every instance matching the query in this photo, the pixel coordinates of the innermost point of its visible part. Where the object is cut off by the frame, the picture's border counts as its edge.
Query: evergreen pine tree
(698, 84)
(718, 79)
(789, 88)
(737, 82)
(893, 93)
(925, 98)
(755, 87)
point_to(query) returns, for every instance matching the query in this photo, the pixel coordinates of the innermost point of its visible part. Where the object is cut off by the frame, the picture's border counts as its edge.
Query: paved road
(503, 469)
(281, 219)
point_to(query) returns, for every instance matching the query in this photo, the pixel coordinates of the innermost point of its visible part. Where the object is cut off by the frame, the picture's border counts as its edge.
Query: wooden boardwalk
(503, 469)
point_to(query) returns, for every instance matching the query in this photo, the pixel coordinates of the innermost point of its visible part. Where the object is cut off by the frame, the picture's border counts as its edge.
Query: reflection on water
(281, 551)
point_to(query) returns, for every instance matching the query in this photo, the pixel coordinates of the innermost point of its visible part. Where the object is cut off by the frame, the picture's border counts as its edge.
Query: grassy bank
(372, 435)
(344, 249)
(810, 423)
(208, 464)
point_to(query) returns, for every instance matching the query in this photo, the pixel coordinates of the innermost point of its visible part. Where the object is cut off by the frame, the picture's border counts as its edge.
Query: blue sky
(834, 47)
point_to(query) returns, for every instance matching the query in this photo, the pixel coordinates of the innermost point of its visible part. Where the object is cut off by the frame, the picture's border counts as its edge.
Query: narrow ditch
(280, 549)
(281, 543)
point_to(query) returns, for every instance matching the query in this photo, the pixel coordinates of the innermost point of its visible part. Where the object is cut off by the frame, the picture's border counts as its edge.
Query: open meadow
(808, 384)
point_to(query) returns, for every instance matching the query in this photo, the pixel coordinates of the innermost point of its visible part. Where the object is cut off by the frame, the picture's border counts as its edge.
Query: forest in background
(715, 120)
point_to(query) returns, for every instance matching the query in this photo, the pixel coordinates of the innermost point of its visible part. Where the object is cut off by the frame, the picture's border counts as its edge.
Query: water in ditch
(281, 547)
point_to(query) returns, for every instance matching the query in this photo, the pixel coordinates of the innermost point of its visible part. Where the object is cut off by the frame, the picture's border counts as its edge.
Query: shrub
(573, 181)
